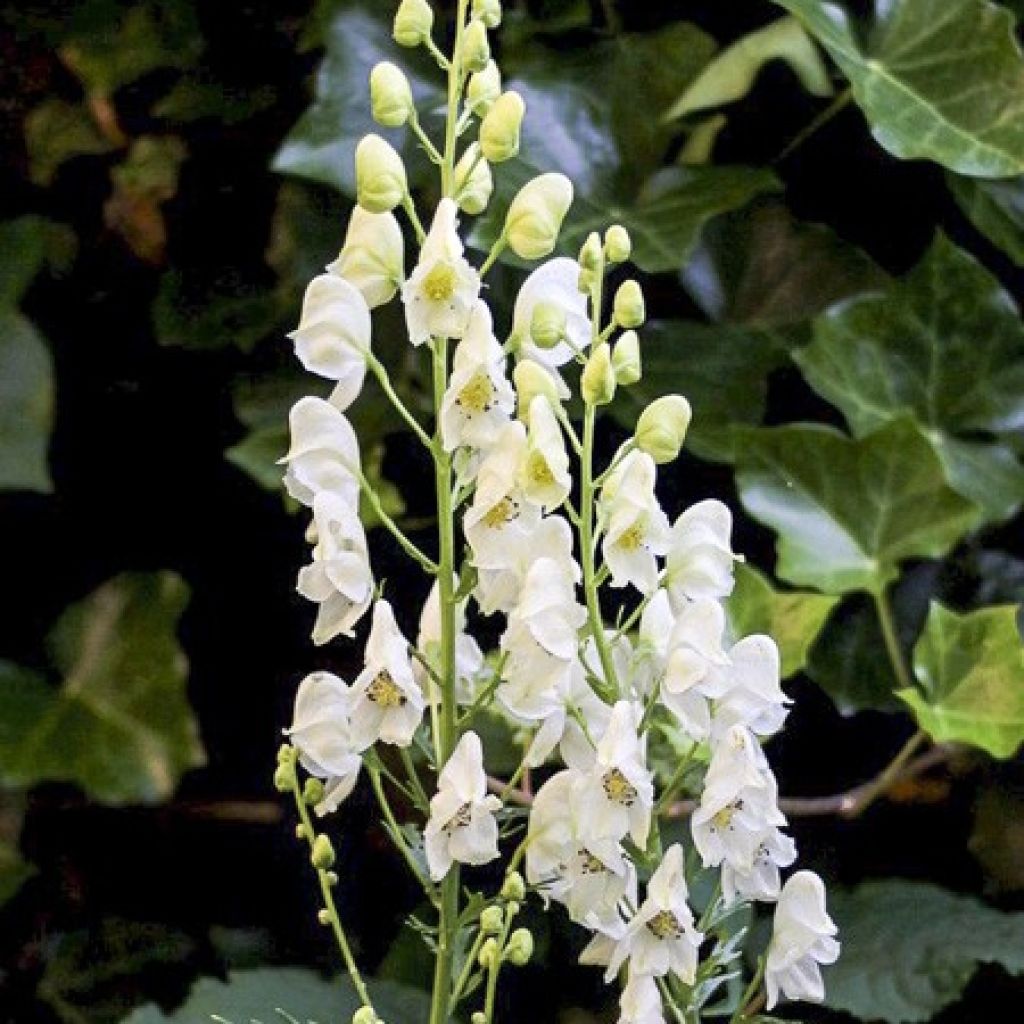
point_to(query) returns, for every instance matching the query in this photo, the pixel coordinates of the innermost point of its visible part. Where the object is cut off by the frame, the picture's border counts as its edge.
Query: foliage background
(167, 189)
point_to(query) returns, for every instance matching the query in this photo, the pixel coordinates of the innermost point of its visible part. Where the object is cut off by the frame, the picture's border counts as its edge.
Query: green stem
(379, 370)
(750, 992)
(816, 124)
(492, 257)
(885, 779)
(467, 970)
(393, 528)
(414, 218)
(455, 83)
(431, 150)
(396, 832)
(890, 634)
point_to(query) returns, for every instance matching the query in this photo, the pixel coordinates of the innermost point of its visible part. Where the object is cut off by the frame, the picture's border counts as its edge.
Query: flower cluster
(533, 531)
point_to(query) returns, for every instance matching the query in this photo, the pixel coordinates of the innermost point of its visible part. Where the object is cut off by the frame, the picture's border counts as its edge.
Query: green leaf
(120, 726)
(14, 872)
(731, 75)
(57, 131)
(261, 995)
(971, 674)
(910, 948)
(995, 208)
(926, 93)
(849, 511)
(945, 345)
(792, 618)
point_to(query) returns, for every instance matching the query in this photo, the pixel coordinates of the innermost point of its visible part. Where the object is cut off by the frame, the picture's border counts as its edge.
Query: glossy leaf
(995, 208)
(910, 949)
(939, 80)
(120, 725)
(971, 674)
(849, 511)
(793, 619)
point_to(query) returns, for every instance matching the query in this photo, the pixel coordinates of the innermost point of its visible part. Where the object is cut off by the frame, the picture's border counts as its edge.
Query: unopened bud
(475, 50)
(499, 131)
(587, 280)
(484, 89)
(474, 182)
(285, 752)
(531, 380)
(512, 907)
(283, 778)
(547, 325)
(492, 920)
(592, 253)
(488, 11)
(313, 792)
(324, 917)
(365, 1015)
(478, 1017)
(323, 853)
(535, 217)
(301, 832)
(488, 952)
(598, 380)
(331, 877)
(618, 246)
(390, 95)
(381, 184)
(414, 21)
(661, 428)
(630, 310)
(520, 947)
(626, 359)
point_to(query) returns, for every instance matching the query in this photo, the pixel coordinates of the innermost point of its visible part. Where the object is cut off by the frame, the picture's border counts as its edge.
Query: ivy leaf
(849, 511)
(57, 131)
(731, 75)
(926, 94)
(910, 948)
(792, 618)
(995, 208)
(14, 872)
(279, 993)
(120, 725)
(971, 674)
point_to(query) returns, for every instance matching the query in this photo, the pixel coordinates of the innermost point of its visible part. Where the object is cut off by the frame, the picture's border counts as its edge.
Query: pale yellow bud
(381, 184)
(489, 952)
(390, 95)
(531, 380)
(474, 182)
(492, 920)
(587, 280)
(629, 308)
(626, 359)
(520, 947)
(323, 853)
(364, 1015)
(499, 131)
(661, 428)
(535, 217)
(598, 380)
(484, 88)
(618, 246)
(414, 21)
(488, 11)
(592, 254)
(475, 50)
(547, 326)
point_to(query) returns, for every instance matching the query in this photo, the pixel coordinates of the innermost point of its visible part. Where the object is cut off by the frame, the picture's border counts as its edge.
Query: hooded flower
(469, 659)
(545, 471)
(746, 687)
(700, 558)
(442, 291)
(556, 284)
(640, 1002)
(324, 453)
(373, 256)
(461, 826)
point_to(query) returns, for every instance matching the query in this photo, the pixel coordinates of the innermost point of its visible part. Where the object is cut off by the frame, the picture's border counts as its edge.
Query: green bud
(512, 908)
(499, 131)
(598, 381)
(324, 917)
(520, 947)
(478, 1017)
(535, 217)
(547, 326)
(323, 853)
(381, 184)
(484, 89)
(474, 182)
(488, 953)
(488, 11)
(285, 753)
(390, 95)
(626, 359)
(513, 888)
(531, 380)
(414, 21)
(492, 920)
(476, 50)
(618, 246)
(588, 278)
(365, 1015)
(331, 877)
(592, 255)
(661, 428)
(630, 310)
(301, 832)
(283, 775)
(313, 792)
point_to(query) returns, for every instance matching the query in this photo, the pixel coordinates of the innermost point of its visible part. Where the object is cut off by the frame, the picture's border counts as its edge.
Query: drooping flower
(802, 938)
(554, 284)
(545, 471)
(640, 1002)
(373, 256)
(746, 688)
(443, 289)
(469, 659)
(700, 557)
(324, 453)
(764, 878)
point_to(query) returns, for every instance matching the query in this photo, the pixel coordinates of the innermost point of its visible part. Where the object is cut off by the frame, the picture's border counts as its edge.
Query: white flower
(339, 578)
(479, 400)
(387, 703)
(320, 733)
(616, 795)
(469, 659)
(461, 826)
(640, 1002)
(661, 938)
(700, 558)
(747, 689)
(545, 472)
(555, 283)
(762, 881)
(373, 256)
(443, 289)
(803, 937)
(333, 336)
(324, 453)
(636, 528)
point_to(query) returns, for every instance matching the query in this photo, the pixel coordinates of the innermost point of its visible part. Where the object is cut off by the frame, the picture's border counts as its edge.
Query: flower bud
(520, 947)
(331, 878)
(474, 182)
(364, 1015)
(488, 11)
(661, 428)
(381, 184)
(484, 89)
(547, 325)
(475, 50)
(492, 920)
(629, 308)
(313, 792)
(390, 95)
(618, 246)
(323, 853)
(478, 1017)
(301, 832)
(413, 23)
(488, 953)
(324, 917)
(535, 217)
(598, 380)
(587, 280)
(283, 778)
(591, 255)
(284, 753)
(626, 359)
(531, 380)
(499, 131)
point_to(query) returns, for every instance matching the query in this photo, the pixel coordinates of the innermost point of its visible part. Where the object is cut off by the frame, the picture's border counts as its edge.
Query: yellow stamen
(439, 284)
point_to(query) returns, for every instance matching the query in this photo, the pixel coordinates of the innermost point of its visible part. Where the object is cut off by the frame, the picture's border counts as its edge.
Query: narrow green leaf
(26, 405)
(995, 208)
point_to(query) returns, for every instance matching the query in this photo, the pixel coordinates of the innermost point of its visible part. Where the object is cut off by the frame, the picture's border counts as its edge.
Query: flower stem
(393, 528)
(743, 1008)
(839, 104)
(396, 832)
(890, 634)
(379, 370)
